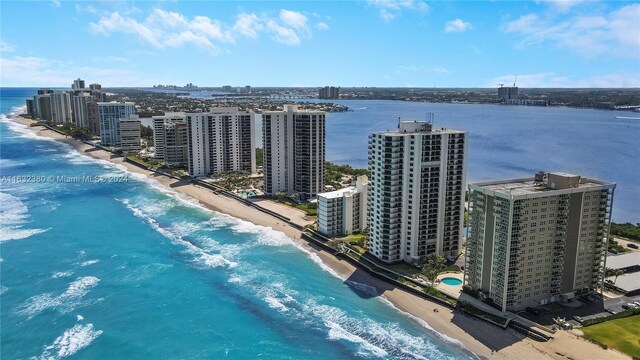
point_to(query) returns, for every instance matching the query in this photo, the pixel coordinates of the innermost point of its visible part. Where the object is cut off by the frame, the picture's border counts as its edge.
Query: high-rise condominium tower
(170, 138)
(221, 140)
(109, 114)
(416, 192)
(294, 151)
(538, 240)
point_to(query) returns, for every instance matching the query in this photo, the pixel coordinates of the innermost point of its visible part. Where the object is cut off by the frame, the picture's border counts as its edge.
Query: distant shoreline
(483, 339)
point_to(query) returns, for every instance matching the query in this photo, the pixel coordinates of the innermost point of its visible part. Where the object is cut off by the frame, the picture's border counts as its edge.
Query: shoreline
(479, 337)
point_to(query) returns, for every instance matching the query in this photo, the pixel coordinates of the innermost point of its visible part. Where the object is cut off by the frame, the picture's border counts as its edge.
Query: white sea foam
(13, 215)
(72, 340)
(336, 332)
(89, 262)
(60, 274)
(65, 302)
(209, 260)
(23, 131)
(8, 163)
(426, 325)
(3, 289)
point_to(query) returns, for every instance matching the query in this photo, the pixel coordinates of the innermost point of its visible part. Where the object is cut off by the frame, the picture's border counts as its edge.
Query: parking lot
(582, 308)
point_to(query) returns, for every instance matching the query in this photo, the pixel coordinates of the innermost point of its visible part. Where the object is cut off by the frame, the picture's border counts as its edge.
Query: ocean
(130, 269)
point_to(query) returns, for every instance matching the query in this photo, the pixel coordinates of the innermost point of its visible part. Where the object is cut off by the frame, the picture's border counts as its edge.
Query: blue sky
(312, 43)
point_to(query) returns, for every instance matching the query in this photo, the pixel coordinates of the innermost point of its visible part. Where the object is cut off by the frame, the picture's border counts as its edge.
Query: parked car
(533, 311)
(632, 245)
(613, 251)
(628, 306)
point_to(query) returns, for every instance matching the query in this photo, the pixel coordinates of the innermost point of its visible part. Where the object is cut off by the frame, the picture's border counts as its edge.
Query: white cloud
(551, 80)
(322, 26)
(56, 3)
(457, 25)
(248, 25)
(390, 9)
(293, 19)
(282, 34)
(614, 33)
(562, 5)
(36, 71)
(166, 29)
(6, 47)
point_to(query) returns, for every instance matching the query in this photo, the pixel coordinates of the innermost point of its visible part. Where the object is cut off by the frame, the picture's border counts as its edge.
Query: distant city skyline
(407, 43)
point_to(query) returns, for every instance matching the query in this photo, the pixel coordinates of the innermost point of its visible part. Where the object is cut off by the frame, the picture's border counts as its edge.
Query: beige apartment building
(539, 240)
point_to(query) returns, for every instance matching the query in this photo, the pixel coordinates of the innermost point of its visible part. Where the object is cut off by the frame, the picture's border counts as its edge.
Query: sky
(403, 43)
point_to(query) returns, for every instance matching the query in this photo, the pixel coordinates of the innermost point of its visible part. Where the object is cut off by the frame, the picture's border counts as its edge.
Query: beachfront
(483, 339)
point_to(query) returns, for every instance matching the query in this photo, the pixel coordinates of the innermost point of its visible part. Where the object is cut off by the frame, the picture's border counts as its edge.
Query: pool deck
(451, 290)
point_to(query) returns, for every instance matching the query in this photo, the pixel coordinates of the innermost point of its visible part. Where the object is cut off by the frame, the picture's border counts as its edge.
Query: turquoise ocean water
(132, 270)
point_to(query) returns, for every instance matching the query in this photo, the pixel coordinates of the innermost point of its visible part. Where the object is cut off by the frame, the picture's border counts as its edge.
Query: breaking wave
(65, 302)
(72, 340)
(13, 214)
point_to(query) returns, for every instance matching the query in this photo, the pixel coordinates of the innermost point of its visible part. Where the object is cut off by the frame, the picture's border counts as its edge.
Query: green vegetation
(333, 173)
(481, 313)
(146, 132)
(149, 163)
(614, 245)
(434, 266)
(310, 208)
(620, 334)
(74, 131)
(235, 180)
(436, 293)
(627, 230)
(259, 157)
(614, 272)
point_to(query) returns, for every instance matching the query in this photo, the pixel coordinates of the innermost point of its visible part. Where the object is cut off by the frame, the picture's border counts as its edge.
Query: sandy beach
(483, 339)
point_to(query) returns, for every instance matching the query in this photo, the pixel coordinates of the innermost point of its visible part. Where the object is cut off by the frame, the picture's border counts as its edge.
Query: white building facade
(170, 138)
(343, 211)
(221, 140)
(130, 133)
(538, 240)
(416, 192)
(294, 151)
(109, 115)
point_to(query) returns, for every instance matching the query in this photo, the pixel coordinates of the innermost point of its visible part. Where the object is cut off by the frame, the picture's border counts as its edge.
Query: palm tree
(616, 273)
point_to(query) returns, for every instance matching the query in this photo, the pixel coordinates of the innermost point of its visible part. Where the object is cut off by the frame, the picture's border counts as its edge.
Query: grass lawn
(620, 334)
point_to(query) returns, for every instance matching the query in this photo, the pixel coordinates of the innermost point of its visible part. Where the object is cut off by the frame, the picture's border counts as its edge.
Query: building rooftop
(623, 260)
(338, 193)
(549, 183)
(416, 127)
(627, 282)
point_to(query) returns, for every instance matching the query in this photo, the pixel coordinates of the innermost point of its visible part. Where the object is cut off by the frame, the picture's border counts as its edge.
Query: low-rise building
(344, 211)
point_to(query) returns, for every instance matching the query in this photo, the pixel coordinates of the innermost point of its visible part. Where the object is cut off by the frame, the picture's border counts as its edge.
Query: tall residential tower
(416, 192)
(294, 151)
(221, 140)
(537, 240)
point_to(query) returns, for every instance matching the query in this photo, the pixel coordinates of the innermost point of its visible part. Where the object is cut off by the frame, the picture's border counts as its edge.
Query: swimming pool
(451, 281)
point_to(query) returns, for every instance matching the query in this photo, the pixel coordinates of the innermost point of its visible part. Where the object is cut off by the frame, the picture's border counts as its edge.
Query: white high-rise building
(130, 133)
(109, 114)
(221, 140)
(60, 107)
(170, 138)
(294, 151)
(80, 111)
(416, 192)
(343, 211)
(538, 240)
